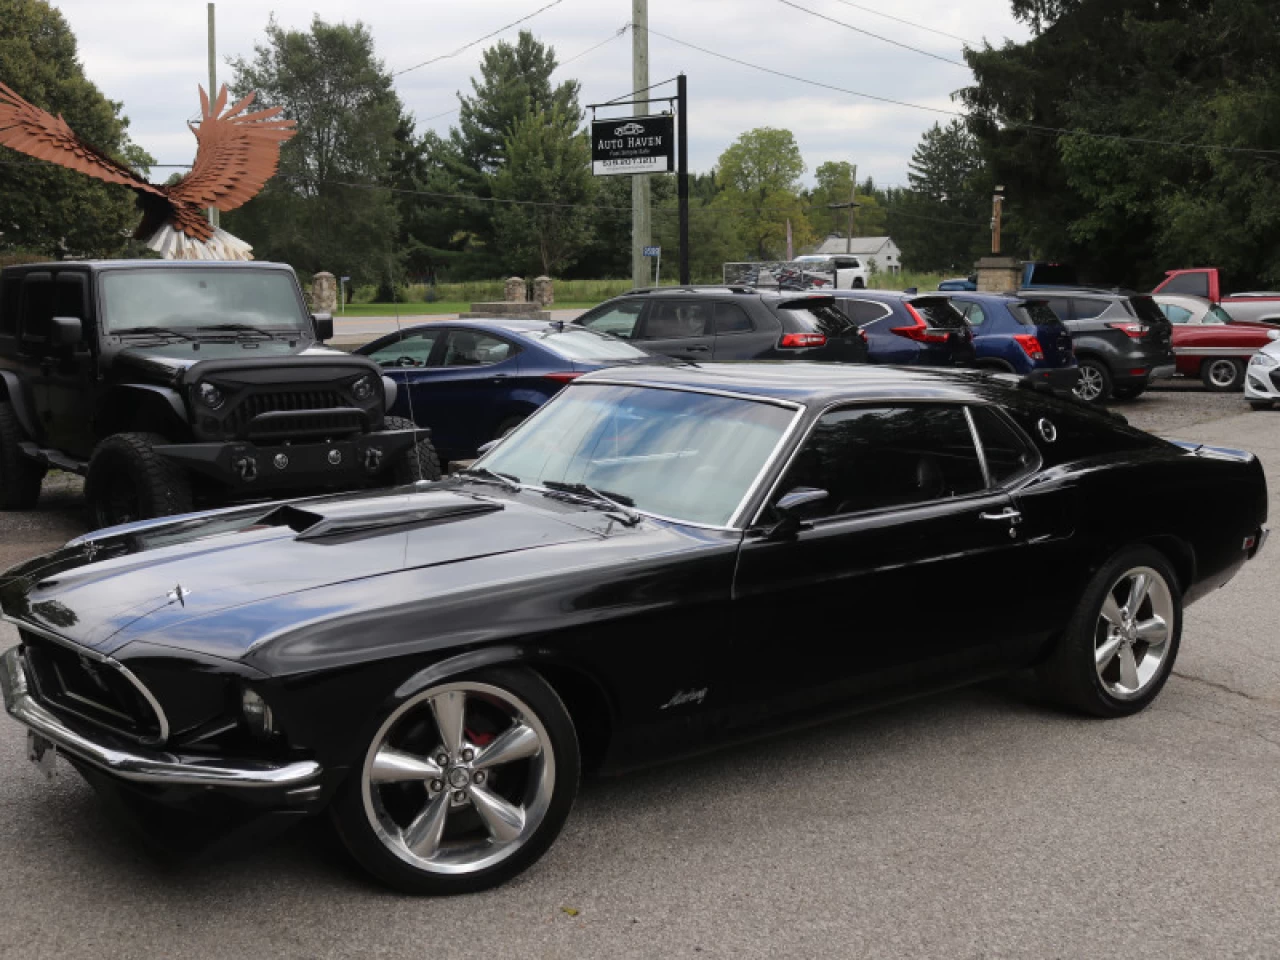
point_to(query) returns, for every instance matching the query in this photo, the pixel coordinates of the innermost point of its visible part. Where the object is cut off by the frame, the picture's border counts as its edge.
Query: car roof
(805, 383)
(96, 265)
(1113, 293)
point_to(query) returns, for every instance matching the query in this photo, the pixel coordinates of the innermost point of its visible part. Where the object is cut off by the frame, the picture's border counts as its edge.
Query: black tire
(1071, 674)
(1128, 393)
(1094, 382)
(858, 284)
(128, 481)
(20, 476)
(1222, 374)
(419, 462)
(372, 846)
(1260, 404)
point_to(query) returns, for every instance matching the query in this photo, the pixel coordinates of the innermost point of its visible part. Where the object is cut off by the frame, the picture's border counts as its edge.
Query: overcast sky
(151, 54)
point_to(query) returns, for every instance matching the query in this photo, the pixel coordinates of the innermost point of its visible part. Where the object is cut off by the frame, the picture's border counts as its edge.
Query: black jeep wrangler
(171, 385)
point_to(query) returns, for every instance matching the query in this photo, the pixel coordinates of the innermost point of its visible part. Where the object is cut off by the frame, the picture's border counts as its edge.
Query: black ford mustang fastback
(660, 559)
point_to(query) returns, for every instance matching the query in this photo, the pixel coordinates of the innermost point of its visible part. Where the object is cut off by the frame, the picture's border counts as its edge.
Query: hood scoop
(356, 525)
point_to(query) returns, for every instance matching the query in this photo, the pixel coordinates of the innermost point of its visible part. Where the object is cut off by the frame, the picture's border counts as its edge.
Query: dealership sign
(633, 145)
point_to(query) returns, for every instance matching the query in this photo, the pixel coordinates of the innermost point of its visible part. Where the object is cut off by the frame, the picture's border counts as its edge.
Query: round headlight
(362, 389)
(210, 395)
(257, 714)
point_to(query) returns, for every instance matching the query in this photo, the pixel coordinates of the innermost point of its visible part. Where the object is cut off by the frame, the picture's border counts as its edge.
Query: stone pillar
(513, 290)
(998, 274)
(543, 292)
(324, 293)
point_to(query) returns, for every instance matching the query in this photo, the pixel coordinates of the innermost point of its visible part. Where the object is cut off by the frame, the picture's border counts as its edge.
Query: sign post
(682, 175)
(342, 292)
(655, 252)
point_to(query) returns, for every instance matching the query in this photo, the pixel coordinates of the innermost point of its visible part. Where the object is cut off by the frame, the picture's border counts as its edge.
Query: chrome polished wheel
(1223, 374)
(1090, 384)
(1131, 639)
(458, 778)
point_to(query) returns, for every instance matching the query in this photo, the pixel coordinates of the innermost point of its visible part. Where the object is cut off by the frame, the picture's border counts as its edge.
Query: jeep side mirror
(323, 323)
(788, 508)
(65, 331)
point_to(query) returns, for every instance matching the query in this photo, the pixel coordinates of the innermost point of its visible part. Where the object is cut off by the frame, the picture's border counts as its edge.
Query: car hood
(169, 362)
(120, 584)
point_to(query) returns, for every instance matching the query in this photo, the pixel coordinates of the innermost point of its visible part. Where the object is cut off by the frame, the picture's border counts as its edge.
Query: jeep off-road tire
(20, 476)
(419, 462)
(129, 481)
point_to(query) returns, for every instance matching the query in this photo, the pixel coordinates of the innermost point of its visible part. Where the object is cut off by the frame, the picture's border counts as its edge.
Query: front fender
(150, 392)
(17, 400)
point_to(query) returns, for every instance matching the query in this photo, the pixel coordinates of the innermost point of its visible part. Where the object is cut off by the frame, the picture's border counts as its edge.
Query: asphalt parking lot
(974, 824)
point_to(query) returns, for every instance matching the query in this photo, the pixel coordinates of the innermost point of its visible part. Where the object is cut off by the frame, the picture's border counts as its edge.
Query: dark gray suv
(731, 323)
(1122, 341)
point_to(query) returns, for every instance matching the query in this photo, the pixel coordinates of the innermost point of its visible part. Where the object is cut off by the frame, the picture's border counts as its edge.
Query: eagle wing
(238, 153)
(32, 131)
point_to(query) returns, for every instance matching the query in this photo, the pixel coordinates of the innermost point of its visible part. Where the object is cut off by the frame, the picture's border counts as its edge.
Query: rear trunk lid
(1050, 332)
(818, 316)
(940, 315)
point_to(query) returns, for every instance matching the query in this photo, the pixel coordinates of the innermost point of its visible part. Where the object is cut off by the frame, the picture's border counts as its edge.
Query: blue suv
(1019, 335)
(909, 329)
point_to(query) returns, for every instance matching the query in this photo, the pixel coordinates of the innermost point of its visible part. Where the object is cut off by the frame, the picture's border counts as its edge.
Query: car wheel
(419, 462)
(1128, 393)
(1119, 647)
(1260, 404)
(20, 476)
(127, 481)
(858, 284)
(1093, 385)
(1223, 374)
(463, 785)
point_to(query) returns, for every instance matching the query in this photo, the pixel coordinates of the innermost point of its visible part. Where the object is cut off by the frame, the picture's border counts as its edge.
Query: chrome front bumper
(139, 764)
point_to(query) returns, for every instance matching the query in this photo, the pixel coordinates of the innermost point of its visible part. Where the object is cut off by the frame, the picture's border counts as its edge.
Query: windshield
(590, 346)
(687, 456)
(185, 299)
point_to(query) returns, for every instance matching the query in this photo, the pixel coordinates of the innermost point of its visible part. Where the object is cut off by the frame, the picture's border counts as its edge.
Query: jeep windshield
(196, 301)
(671, 453)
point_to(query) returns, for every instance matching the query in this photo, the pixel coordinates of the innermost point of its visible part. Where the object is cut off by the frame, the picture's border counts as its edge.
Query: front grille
(324, 423)
(72, 684)
(238, 420)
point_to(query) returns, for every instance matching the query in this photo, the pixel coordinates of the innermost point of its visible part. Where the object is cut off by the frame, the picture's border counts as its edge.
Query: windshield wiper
(484, 474)
(238, 328)
(619, 502)
(157, 331)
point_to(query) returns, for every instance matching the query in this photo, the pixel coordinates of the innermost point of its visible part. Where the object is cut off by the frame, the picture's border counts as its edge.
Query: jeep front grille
(97, 690)
(253, 404)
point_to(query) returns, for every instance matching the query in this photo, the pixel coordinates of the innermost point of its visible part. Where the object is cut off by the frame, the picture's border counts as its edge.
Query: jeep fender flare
(169, 396)
(12, 391)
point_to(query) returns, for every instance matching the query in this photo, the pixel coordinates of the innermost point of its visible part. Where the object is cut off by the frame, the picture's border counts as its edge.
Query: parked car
(1045, 273)
(909, 329)
(1207, 345)
(470, 381)
(171, 384)
(1122, 341)
(1262, 377)
(1258, 307)
(959, 283)
(617, 582)
(730, 323)
(1019, 336)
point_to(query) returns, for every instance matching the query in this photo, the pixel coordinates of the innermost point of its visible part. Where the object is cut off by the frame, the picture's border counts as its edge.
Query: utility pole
(640, 230)
(213, 90)
(997, 209)
(850, 206)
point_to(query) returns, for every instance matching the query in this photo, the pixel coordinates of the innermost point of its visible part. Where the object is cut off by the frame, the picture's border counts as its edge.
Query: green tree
(327, 209)
(759, 175)
(47, 209)
(547, 171)
(1195, 77)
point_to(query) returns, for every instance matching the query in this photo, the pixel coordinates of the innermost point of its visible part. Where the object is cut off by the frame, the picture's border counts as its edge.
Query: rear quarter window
(862, 312)
(1080, 433)
(1034, 314)
(820, 317)
(938, 312)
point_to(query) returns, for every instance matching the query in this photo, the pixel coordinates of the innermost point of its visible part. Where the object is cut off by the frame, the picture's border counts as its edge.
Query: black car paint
(663, 638)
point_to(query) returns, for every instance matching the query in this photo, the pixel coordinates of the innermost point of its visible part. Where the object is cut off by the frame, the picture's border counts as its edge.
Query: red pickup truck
(1252, 308)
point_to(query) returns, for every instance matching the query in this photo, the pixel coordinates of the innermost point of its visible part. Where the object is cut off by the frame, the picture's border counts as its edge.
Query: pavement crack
(1221, 686)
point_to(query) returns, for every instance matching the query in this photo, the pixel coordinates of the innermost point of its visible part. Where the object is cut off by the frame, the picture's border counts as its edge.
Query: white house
(880, 251)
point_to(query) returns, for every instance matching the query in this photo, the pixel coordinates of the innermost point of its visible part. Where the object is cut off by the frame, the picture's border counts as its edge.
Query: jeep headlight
(210, 395)
(362, 389)
(1263, 360)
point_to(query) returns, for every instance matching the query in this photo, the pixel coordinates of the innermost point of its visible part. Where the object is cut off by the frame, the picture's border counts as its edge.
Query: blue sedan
(1021, 336)
(470, 381)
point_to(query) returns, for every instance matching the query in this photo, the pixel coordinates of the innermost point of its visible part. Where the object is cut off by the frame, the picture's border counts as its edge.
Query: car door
(679, 327)
(880, 592)
(736, 335)
(62, 376)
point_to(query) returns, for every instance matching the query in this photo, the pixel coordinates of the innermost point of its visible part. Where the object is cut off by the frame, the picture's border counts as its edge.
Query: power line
(918, 26)
(849, 26)
(487, 36)
(1013, 124)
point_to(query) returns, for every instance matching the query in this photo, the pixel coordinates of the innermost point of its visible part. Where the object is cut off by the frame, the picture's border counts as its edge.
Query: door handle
(697, 349)
(1008, 513)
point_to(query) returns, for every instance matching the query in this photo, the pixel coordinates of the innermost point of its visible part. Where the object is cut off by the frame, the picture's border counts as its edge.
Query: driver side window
(414, 350)
(873, 458)
(619, 319)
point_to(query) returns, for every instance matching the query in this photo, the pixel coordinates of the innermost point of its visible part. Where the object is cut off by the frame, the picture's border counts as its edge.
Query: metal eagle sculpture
(237, 153)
